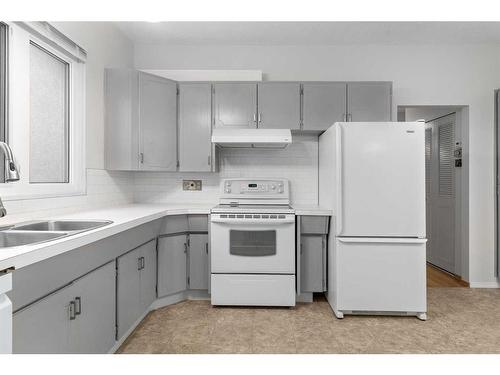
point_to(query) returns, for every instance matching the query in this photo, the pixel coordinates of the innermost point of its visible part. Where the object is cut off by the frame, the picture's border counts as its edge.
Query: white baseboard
(484, 284)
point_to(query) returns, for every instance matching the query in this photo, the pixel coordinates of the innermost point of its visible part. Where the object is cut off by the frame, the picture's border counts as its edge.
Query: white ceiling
(311, 33)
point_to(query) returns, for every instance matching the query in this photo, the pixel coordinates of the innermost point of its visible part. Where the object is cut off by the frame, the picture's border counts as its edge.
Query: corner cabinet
(141, 121)
(172, 264)
(136, 285)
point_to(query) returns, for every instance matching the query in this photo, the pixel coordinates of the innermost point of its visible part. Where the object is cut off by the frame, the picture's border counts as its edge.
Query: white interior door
(440, 184)
(382, 179)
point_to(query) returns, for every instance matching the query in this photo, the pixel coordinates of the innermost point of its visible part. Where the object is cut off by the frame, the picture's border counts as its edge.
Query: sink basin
(12, 238)
(62, 225)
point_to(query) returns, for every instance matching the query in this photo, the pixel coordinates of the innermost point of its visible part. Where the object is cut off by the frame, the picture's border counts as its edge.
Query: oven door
(248, 245)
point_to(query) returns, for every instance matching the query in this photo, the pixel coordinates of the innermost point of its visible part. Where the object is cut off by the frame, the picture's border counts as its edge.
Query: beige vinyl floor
(460, 320)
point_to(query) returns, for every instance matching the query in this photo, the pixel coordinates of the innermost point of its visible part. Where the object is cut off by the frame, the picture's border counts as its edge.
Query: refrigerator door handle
(381, 240)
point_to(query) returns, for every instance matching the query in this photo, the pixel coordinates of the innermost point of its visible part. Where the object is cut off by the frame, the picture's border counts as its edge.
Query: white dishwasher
(5, 314)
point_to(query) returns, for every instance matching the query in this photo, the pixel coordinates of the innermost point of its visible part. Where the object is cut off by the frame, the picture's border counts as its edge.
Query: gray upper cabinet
(141, 121)
(78, 318)
(158, 123)
(198, 261)
(278, 105)
(195, 127)
(369, 101)
(324, 103)
(172, 266)
(235, 105)
(136, 289)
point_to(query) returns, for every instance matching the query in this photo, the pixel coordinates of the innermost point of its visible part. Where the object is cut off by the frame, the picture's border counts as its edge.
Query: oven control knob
(273, 187)
(228, 190)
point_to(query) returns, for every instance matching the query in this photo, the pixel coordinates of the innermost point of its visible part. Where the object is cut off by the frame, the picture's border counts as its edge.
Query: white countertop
(312, 211)
(123, 217)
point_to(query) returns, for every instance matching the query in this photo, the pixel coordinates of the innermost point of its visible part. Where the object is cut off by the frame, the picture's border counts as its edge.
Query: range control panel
(254, 189)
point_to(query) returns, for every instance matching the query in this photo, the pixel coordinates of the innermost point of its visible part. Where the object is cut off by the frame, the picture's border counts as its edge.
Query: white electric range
(252, 234)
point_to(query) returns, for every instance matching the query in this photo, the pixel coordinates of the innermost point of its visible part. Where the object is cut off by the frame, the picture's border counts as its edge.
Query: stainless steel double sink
(35, 232)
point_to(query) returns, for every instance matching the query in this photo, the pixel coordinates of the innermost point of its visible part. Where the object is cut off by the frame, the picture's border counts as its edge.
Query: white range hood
(252, 138)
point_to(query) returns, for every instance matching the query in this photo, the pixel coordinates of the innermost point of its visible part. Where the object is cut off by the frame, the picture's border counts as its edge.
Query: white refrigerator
(372, 175)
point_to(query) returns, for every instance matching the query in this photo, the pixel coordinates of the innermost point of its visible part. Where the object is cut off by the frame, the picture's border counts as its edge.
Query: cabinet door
(198, 261)
(172, 275)
(323, 104)
(195, 124)
(157, 123)
(128, 290)
(93, 330)
(279, 105)
(311, 264)
(235, 105)
(43, 327)
(369, 101)
(148, 275)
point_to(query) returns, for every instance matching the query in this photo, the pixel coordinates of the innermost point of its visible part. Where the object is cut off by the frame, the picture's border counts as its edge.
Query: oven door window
(252, 243)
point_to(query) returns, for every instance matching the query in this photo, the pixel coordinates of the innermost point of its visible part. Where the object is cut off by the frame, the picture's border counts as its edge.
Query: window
(49, 120)
(46, 111)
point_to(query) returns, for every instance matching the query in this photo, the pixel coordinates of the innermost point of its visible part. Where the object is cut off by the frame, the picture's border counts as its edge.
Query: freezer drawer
(380, 275)
(253, 290)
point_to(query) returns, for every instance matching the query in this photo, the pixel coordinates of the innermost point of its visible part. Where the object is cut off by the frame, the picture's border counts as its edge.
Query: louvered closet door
(440, 175)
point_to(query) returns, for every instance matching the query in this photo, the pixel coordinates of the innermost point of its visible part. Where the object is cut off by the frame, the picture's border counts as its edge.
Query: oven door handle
(253, 221)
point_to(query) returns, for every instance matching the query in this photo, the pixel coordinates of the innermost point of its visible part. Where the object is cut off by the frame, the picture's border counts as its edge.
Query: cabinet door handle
(260, 117)
(78, 305)
(349, 117)
(139, 263)
(143, 263)
(209, 157)
(206, 247)
(185, 248)
(254, 117)
(72, 315)
(141, 157)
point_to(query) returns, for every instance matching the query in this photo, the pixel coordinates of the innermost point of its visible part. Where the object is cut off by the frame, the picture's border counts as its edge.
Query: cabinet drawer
(174, 224)
(314, 224)
(198, 223)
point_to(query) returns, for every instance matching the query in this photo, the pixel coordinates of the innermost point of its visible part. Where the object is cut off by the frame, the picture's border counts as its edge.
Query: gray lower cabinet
(78, 318)
(195, 127)
(279, 105)
(136, 285)
(369, 101)
(235, 105)
(313, 263)
(324, 103)
(172, 266)
(198, 261)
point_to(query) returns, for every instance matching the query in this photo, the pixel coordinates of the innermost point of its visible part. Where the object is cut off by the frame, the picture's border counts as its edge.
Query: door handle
(139, 263)
(206, 247)
(78, 305)
(72, 315)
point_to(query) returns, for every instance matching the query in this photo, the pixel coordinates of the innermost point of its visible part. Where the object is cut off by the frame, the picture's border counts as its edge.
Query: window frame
(18, 127)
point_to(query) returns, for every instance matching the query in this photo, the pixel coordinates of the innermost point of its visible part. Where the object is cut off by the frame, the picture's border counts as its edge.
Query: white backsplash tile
(298, 163)
(104, 188)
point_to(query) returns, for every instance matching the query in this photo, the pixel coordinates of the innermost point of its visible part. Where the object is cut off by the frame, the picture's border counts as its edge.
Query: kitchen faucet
(11, 171)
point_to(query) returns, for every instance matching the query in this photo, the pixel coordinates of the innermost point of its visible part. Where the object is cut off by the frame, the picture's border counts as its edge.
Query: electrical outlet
(191, 185)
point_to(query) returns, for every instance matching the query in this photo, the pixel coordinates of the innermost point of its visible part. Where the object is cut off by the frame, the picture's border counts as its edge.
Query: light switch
(194, 185)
